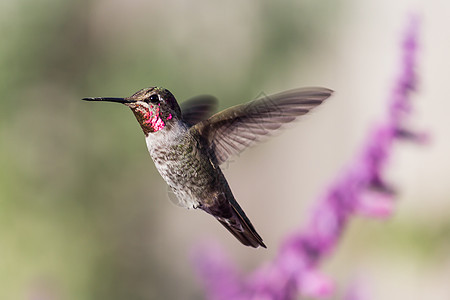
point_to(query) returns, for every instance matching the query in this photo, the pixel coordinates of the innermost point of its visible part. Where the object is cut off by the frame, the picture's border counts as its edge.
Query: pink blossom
(361, 189)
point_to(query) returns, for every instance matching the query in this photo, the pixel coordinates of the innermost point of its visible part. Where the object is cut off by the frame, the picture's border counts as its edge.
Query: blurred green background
(84, 213)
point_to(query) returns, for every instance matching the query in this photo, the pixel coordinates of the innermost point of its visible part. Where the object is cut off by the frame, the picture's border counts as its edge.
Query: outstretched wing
(231, 131)
(198, 108)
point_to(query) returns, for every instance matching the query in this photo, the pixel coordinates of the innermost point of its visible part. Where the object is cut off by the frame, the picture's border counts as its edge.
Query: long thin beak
(109, 99)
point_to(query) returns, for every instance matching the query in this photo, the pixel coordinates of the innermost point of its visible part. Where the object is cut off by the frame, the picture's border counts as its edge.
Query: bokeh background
(84, 213)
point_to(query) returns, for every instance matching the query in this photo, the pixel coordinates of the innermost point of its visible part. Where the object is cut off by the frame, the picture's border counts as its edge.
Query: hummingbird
(188, 144)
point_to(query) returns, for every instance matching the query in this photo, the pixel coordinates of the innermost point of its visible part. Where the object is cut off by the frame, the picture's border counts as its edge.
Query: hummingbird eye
(154, 99)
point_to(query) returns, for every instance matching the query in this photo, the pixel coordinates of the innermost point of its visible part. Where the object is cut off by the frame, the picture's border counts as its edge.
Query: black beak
(109, 99)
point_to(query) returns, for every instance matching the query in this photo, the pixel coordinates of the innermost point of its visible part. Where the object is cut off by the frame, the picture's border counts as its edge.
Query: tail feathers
(242, 229)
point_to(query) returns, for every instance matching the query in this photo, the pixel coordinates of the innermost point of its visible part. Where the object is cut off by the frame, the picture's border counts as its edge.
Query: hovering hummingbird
(188, 145)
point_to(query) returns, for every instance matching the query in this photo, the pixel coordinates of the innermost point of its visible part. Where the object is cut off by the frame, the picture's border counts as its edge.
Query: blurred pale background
(84, 213)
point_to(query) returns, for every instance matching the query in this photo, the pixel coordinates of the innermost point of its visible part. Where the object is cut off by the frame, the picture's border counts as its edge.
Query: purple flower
(361, 189)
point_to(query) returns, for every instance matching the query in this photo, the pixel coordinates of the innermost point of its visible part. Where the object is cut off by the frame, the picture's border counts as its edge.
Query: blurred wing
(198, 108)
(231, 131)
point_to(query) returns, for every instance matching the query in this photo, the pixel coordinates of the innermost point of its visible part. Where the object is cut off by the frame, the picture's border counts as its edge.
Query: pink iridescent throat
(154, 120)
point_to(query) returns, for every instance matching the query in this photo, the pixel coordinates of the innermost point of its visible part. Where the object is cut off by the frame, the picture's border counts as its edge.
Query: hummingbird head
(154, 108)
